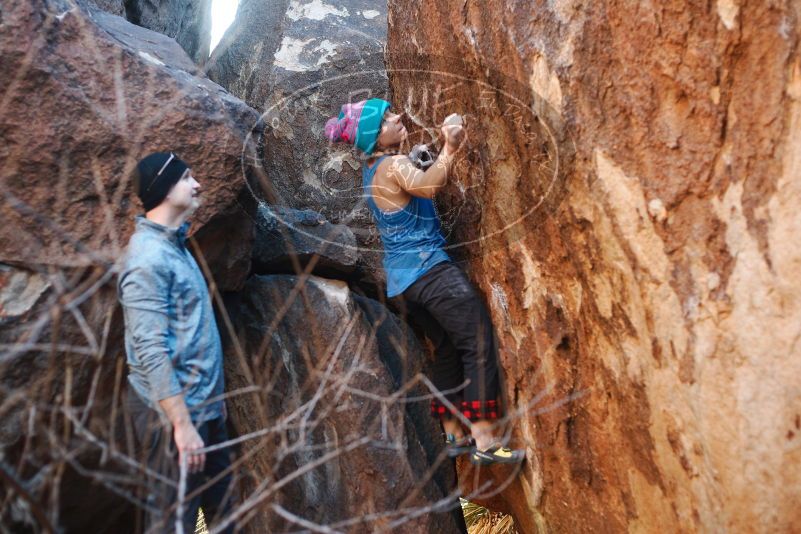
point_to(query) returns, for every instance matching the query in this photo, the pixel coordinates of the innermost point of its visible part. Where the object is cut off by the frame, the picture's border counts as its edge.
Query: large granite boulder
(297, 63)
(88, 94)
(75, 123)
(660, 279)
(187, 21)
(317, 383)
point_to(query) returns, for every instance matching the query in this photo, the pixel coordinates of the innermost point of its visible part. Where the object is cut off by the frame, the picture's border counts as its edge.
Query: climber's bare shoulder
(392, 174)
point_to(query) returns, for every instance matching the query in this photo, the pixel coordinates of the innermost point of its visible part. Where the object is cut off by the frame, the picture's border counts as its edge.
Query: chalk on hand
(454, 119)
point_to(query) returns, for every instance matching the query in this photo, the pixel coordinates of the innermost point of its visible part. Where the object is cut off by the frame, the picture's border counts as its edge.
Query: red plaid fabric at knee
(472, 410)
(478, 410)
(438, 409)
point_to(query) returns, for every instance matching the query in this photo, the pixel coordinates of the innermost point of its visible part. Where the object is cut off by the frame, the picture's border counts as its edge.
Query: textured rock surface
(292, 241)
(115, 7)
(242, 61)
(661, 279)
(87, 95)
(20, 291)
(338, 445)
(297, 62)
(60, 349)
(187, 21)
(75, 123)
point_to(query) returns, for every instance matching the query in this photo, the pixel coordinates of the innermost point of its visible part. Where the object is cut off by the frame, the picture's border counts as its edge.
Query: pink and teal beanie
(359, 123)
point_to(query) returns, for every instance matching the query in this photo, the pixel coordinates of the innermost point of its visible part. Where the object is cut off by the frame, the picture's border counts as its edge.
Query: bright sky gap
(223, 13)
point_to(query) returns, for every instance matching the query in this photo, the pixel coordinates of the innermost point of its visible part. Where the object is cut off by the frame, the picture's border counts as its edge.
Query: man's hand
(184, 432)
(188, 441)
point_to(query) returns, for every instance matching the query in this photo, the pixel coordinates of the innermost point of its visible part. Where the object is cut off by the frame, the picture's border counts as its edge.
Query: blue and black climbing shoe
(497, 454)
(458, 446)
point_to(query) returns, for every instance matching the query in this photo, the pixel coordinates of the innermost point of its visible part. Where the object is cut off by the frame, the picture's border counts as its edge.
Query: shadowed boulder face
(187, 21)
(297, 62)
(60, 350)
(88, 94)
(661, 279)
(115, 7)
(291, 241)
(340, 447)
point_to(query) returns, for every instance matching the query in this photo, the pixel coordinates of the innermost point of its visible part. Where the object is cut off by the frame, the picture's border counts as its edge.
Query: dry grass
(200, 527)
(479, 520)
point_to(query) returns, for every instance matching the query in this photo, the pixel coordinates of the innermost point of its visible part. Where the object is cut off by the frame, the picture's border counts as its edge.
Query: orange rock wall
(660, 281)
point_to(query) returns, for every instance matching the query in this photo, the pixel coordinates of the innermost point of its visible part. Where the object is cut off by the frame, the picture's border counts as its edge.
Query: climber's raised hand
(453, 132)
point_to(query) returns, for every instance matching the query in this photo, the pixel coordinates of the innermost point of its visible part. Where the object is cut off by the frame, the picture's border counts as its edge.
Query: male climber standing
(433, 290)
(174, 354)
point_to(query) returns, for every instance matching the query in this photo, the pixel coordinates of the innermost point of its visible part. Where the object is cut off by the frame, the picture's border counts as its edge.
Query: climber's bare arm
(402, 171)
(418, 183)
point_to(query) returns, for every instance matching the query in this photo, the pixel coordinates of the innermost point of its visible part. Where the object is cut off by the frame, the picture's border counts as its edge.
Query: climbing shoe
(497, 454)
(458, 446)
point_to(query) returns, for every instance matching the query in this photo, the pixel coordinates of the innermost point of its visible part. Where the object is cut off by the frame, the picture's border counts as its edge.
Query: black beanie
(155, 175)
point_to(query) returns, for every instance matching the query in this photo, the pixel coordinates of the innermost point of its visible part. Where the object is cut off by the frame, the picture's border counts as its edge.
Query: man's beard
(193, 206)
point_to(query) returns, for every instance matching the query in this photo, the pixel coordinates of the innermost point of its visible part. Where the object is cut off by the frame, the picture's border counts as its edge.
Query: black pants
(156, 449)
(451, 313)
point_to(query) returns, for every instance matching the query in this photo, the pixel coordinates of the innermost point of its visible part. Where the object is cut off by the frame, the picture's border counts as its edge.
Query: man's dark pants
(452, 314)
(210, 490)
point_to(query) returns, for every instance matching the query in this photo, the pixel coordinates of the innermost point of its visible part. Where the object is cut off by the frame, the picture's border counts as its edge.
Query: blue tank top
(413, 243)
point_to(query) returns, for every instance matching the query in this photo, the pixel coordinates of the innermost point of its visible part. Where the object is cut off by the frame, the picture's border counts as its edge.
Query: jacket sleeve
(144, 293)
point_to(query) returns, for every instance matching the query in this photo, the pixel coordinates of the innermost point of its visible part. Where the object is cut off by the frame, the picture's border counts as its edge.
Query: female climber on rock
(428, 287)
